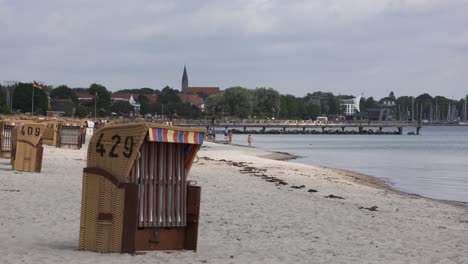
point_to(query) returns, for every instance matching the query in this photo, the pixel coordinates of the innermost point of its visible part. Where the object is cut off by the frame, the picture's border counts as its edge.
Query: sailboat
(465, 117)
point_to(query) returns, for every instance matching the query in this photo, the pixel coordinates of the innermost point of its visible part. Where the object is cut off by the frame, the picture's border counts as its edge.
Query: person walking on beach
(249, 140)
(230, 137)
(226, 132)
(214, 134)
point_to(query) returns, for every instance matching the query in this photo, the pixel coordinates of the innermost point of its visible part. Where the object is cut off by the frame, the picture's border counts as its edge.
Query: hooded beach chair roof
(115, 148)
(29, 133)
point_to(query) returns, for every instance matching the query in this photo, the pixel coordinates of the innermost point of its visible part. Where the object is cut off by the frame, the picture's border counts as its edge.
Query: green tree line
(233, 102)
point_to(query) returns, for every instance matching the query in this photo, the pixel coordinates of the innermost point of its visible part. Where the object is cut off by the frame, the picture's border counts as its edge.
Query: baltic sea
(433, 164)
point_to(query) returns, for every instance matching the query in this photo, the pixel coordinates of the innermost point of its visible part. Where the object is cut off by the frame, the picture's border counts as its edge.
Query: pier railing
(293, 123)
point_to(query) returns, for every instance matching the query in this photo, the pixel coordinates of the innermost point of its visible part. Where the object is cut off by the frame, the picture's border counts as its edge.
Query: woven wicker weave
(49, 136)
(101, 196)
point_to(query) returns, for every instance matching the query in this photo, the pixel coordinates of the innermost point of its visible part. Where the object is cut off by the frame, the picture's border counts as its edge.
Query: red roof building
(152, 98)
(193, 99)
(85, 96)
(205, 90)
(122, 97)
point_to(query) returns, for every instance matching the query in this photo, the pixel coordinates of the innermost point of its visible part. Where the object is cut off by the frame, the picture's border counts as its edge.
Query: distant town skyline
(409, 47)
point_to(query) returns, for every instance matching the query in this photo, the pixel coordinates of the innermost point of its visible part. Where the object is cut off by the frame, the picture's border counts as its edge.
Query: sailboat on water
(465, 117)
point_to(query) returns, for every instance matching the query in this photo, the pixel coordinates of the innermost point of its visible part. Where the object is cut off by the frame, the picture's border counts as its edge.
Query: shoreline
(357, 177)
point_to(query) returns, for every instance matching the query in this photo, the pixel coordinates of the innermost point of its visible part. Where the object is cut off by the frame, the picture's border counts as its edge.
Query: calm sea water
(434, 164)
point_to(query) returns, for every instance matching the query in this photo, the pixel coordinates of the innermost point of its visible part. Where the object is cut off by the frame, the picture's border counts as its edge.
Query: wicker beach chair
(70, 135)
(6, 129)
(27, 150)
(135, 190)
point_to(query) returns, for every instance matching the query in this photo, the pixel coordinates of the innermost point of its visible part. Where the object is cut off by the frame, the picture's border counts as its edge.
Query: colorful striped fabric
(7, 123)
(174, 136)
(71, 124)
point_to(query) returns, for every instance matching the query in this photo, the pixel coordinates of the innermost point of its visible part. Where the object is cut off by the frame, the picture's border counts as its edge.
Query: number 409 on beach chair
(135, 190)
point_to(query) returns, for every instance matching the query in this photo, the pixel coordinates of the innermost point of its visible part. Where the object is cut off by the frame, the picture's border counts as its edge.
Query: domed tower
(184, 81)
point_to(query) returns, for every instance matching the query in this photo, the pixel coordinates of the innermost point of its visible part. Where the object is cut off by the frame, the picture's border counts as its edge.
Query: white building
(126, 97)
(350, 106)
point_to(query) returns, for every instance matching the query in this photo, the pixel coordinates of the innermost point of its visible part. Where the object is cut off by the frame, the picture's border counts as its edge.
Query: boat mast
(466, 97)
(448, 112)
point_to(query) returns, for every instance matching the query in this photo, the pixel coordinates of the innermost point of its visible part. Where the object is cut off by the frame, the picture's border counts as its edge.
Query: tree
(187, 110)
(168, 101)
(314, 106)
(327, 102)
(82, 111)
(169, 95)
(238, 102)
(122, 108)
(144, 104)
(103, 98)
(23, 95)
(138, 91)
(81, 90)
(214, 105)
(64, 92)
(291, 107)
(3, 103)
(426, 101)
(370, 103)
(267, 102)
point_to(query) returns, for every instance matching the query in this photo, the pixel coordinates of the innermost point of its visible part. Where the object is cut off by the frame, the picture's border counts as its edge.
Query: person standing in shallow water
(230, 137)
(249, 140)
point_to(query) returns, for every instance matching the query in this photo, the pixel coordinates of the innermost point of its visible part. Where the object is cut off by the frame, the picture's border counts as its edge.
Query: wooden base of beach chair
(173, 238)
(27, 158)
(70, 146)
(5, 154)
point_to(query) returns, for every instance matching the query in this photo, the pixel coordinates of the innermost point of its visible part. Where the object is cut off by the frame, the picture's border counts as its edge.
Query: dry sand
(253, 210)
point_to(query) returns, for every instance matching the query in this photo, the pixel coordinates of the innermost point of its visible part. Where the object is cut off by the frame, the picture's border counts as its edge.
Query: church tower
(184, 81)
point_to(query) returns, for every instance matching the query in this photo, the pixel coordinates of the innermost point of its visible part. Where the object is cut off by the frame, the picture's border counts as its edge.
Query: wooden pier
(300, 126)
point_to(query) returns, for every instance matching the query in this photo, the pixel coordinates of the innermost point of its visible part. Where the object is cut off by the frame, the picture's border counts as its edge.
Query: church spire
(184, 81)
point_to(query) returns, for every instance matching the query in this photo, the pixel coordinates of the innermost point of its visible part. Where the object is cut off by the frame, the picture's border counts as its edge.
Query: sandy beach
(254, 209)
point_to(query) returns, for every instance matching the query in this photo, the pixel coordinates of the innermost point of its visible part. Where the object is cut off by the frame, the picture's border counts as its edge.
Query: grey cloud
(296, 47)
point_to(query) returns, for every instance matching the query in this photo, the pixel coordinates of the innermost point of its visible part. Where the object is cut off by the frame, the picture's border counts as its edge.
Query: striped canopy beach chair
(136, 194)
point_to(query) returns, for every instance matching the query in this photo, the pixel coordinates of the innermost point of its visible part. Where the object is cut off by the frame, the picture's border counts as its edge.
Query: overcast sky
(296, 47)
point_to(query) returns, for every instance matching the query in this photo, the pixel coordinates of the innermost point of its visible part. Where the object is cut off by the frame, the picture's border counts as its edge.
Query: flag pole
(32, 104)
(95, 104)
